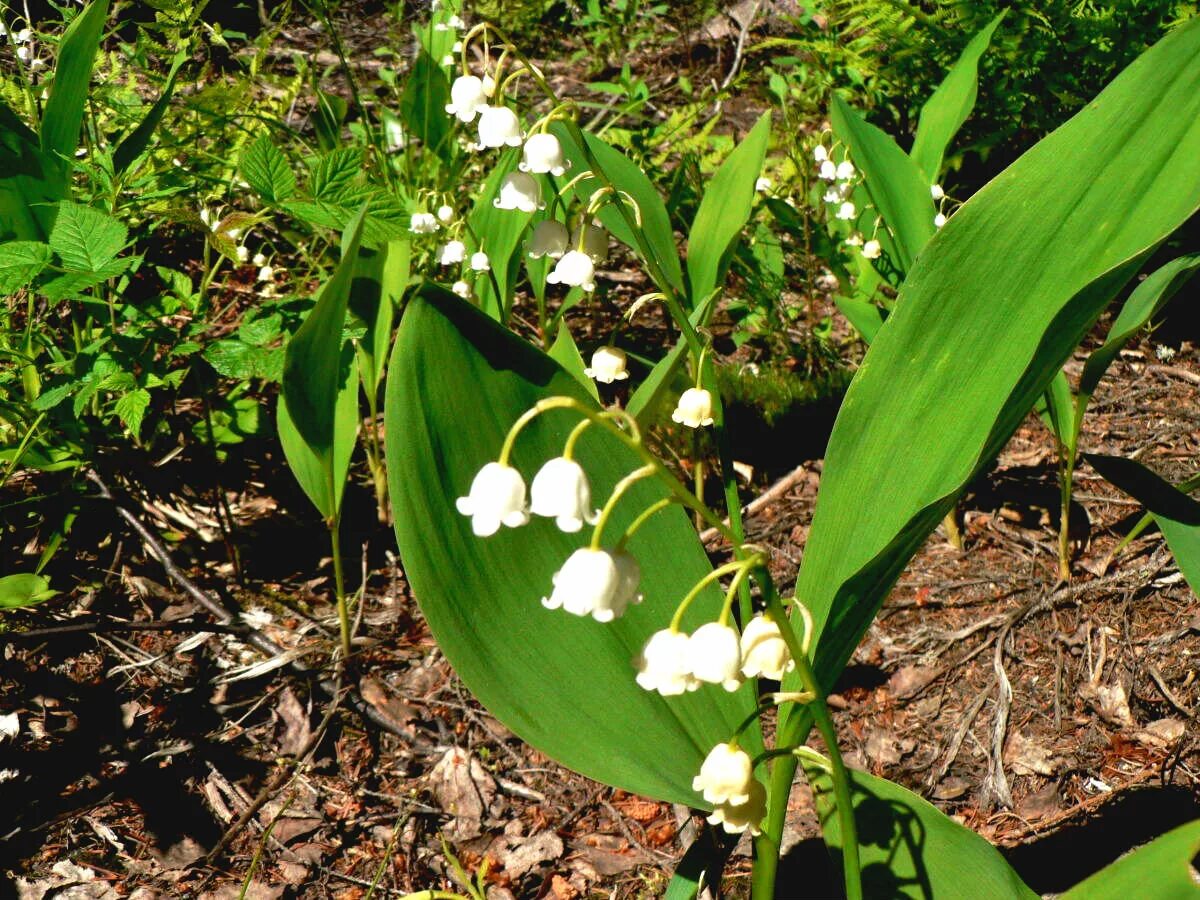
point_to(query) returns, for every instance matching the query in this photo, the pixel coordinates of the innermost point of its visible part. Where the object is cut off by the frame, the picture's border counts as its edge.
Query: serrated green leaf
(456, 382)
(85, 238)
(131, 409)
(267, 171)
(20, 263)
(335, 177)
(261, 331)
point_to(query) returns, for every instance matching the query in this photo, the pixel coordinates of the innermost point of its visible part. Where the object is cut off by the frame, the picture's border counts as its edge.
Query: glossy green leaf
(944, 113)
(564, 352)
(724, 210)
(135, 143)
(646, 396)
(63, 116)
(268, 171)
(23, 590)
(993, 308)
(1056, 408)
(456, 382)
(1176, 514)
(501, 234)
(30, 182)
(1146, 300)
(910, 848)
(589, 153)
(423, 104)
(895, 185)
(1164, 869)
(322, 476)
(380, 277)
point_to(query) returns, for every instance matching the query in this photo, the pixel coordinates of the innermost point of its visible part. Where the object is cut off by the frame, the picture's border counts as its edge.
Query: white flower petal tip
(663, 664)
(595, 583)
(726, 775)
(716, 656)
(575, 269)
(737, 818)
(694, 408)
(608, 365)
(499, 127)
(543, 154)
(497, 496)
(764, 651)
(519, 191)
(550, 238)
(560, 491)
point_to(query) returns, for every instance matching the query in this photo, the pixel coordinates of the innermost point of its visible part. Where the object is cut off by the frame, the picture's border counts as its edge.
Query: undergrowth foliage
(450, 260)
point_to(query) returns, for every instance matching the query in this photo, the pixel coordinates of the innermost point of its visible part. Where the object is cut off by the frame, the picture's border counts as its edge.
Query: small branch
(109, 627)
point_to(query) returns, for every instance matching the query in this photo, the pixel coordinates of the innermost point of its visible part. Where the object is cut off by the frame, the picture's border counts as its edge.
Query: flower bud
(498, 126)
(393, 135)
(519, 191)
(820, 153)
(726, 775)
(243, 253)
(467, 97)
(939, 220)
(452, 253)
(694, 408)
(543, 154)
(716, 656)
(462, 289)
(764, 651)
(574, 269)
(497, 496)
(550, 238)
(936, 192)
(663, 664)
(445, 214)
(259, 259)
(560, 491)
(595, 583)
(265, 273)
(608, 365)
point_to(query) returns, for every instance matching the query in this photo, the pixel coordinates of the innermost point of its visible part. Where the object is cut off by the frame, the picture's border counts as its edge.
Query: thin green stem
(339, 586)
(712, 576)
(642, 518)
(618, 491)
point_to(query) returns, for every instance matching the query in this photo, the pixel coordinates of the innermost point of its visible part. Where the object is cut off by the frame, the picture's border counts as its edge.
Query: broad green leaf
(135, 143)
(1176, 514)
(1146, 300)
(336, 177)
(724, 211)
(1056, 408)
(645, 398)
(63, 115)
(993, 308)
(864, 315)
(944, 113)
(20, 263)
(1164, 869)
(456, 382)
(323, 476)
(268, 171)
(380, 277)
(23, 590)
(501, 234)
(897, 189)
(910, 848)
(86, 239)
(313, 369)
(30, 182)
(564, 352)
(423, 104)
(589, 153)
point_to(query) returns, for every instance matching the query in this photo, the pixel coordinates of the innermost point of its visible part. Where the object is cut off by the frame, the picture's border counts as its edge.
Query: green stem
(339, 585)
(953, 533)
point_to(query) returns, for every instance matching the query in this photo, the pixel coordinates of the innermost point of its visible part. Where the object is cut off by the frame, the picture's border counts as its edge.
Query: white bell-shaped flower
(845, 170)
(498, 127)
(445, 214)
(663, 664)
(764, 651)
(726, 775)
(550, 238)
(847, 211)
(939, 220)
(592, 240)
(461, 288)
(422, 223)
(453, 253)
(393, 135)
(608, 365)
(827, 170)
(480, 262)
(467, 98)
(716, 656)
(936, 192)
(737, 818)
(497, 496)
(519, 191)
(872, 249)
(265, 273)
(560, 491)
(243, 253)
(575, 269)
(543, 154)
(820, 153)
(23, 36)
(595, 583)
(762, 184)
(259, 259)
(694, 408)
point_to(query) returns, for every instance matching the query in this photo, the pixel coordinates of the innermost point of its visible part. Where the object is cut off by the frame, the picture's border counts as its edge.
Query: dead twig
(771, 494)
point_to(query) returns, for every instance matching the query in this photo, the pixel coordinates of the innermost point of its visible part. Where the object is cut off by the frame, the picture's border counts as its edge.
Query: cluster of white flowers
(727, 781)
(23, 38)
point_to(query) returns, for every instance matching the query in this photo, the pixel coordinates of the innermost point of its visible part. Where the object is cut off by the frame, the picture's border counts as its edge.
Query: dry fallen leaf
(1110, 701)
(464, 790)
(527, 855)
(1027, 757)
(293, 730)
